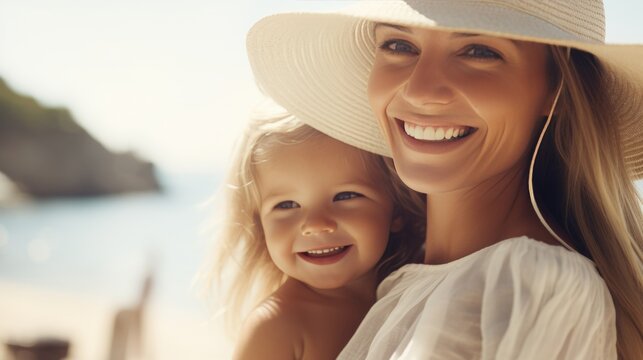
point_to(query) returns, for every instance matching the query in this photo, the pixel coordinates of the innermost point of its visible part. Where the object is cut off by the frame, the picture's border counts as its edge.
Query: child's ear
(397, 224)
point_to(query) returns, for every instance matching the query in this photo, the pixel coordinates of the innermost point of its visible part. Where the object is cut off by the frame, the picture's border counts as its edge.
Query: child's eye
(399, 47)
(289, 204)
(346, 195)
(481, 52)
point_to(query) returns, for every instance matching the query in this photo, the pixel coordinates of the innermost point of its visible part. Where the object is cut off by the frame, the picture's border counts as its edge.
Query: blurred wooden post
(128, 333)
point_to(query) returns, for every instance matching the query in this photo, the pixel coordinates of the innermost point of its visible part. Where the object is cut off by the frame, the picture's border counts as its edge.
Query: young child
(312, 226)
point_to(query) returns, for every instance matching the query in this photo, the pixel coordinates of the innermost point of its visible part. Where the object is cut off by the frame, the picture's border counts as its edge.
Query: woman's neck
(467, 220)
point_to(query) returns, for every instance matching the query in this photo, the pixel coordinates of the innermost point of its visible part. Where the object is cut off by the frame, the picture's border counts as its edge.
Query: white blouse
(516, 299)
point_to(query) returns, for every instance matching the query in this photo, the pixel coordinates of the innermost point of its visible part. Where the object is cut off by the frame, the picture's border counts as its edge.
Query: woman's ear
(397, 224)
(551, 100)
(550, 108)
(555, 81)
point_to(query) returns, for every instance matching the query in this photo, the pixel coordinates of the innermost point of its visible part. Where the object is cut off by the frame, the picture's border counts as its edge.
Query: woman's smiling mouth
(434, 139)
(436, 133)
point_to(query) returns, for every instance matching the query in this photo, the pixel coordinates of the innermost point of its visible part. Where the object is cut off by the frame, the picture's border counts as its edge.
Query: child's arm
(268, 334)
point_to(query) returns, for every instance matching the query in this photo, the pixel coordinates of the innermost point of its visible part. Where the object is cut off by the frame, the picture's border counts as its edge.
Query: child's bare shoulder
(271, 331)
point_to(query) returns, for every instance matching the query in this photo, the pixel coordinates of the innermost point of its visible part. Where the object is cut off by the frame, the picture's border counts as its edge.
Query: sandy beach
(28, 312)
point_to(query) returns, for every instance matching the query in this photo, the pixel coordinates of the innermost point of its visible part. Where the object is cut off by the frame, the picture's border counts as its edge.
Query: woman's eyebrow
(465, 35)
(397, 27)
(461, 34)
(453, 34)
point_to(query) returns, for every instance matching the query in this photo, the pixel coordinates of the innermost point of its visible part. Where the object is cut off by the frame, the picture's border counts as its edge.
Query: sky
(167, 79)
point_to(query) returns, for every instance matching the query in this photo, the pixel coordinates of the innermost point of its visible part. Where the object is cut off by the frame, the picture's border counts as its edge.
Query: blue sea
(102, 246)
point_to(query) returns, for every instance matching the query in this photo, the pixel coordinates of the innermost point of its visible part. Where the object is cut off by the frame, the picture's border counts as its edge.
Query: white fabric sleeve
(537, 305)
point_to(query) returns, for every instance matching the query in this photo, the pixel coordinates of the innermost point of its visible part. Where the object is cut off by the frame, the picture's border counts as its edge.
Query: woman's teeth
(435, 133)
(325, 252)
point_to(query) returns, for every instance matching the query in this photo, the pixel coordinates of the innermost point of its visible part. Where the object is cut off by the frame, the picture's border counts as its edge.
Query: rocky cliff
(47, 154)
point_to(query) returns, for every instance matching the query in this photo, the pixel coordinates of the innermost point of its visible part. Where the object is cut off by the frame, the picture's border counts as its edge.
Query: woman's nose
(428, 83)
(318, 223)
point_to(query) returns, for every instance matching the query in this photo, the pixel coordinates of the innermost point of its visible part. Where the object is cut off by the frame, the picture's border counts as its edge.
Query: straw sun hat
(317, 65)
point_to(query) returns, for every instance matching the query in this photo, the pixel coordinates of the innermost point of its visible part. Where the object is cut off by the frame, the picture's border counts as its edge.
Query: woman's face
(457, 109)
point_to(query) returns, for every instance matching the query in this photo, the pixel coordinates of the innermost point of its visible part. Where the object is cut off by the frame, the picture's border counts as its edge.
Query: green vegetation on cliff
(25, 111)
(46, 153)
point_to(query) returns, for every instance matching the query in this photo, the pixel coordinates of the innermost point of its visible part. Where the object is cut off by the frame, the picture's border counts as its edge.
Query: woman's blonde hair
(582, 182)
(241, 247)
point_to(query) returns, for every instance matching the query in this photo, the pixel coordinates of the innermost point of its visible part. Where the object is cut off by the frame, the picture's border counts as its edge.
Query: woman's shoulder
(539, 268)
(531, 276)
(552, 293)
(523, 250)
(521, 292)
(532, 259)
(517, 262)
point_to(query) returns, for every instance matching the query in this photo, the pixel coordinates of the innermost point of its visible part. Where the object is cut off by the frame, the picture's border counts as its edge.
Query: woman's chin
(430, 180)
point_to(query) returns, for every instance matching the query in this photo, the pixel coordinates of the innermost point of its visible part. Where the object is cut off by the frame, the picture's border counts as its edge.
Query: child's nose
(318, 223)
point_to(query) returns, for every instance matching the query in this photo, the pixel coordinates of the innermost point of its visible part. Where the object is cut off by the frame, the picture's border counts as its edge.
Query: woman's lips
(436, 133)
(434, 139)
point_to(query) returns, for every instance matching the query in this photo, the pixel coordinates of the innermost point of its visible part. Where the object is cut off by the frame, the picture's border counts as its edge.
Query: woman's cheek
(379, 96)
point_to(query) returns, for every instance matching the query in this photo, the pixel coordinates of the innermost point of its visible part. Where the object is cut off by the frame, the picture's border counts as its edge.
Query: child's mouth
(325, 256)
(325, 252)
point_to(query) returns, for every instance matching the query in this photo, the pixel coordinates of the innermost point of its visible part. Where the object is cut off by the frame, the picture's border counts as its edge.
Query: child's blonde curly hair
(241, 247)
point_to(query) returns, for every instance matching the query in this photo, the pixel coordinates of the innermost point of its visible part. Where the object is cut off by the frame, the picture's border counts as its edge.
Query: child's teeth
(324, 251)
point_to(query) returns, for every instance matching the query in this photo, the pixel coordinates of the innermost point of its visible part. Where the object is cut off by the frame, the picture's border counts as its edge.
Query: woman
(524, 130)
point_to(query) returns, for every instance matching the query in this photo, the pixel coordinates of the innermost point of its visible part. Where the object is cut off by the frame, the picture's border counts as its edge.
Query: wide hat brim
(317, 65)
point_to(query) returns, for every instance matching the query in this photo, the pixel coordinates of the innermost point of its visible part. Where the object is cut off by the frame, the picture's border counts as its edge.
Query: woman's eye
(398, 47)
(346, 195)
(287, 205)
(481, 52)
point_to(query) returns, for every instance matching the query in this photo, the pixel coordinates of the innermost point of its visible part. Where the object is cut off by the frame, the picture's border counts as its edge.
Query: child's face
(326, 220)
